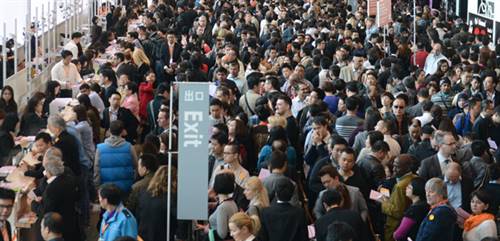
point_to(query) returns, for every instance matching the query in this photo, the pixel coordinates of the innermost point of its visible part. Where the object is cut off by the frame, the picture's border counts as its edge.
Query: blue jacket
(119, 223)
(115, 163)
(438, 225)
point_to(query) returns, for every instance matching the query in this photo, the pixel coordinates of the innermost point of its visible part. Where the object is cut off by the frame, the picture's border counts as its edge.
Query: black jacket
(61, 196)
(341, 215)
(70, 151)
(130, 122)
(9, 231)
(284, 222)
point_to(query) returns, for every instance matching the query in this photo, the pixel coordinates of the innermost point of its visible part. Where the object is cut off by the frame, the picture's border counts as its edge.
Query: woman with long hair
(52, 91)
(257, 195)
(243, 227)
(142, 62)
(152, 207)
(93, 117)
(7, 101)
(33, 119)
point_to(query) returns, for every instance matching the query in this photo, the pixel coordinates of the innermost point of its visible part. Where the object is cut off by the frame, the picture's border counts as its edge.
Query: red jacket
(145, 95)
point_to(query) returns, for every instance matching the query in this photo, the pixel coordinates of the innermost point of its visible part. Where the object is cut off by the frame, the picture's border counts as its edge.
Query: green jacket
(394, 208)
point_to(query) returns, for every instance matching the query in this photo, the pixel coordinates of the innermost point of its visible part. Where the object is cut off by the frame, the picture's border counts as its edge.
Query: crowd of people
(323, 126)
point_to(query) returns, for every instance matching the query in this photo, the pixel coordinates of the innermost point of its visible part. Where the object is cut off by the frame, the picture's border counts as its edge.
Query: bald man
(459, 187)
(395, 206)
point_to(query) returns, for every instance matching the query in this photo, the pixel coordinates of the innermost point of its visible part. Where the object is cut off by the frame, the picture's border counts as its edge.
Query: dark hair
(380, 146)
(483, 196)
(478, 147)
(7, 194)
(54, 222)
(374, 136)
(340, 231)
(224, 183)
(66, 53)
(331, 197)
(418, 188)
(286, 99)
(132, 86)
(337, 140)
(111, 192)
(84, 86)
(220, 137)
(81, 112)
(349, 150)
(116, 127)
(33, 102)
(44, 136)
(50, 91)
(162, 88)
(328, 170)
(216, 101)
(284, 189)
(84, 100)
(352, 103)
(9, 88)
(120, 56)
(76, 35)
(276, 133)
(149, 161)
(108, 73)
(253, 80)
(277, 160)
(320, 92)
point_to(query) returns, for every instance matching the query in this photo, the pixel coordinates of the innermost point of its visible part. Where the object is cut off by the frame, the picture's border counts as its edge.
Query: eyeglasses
(398, 107)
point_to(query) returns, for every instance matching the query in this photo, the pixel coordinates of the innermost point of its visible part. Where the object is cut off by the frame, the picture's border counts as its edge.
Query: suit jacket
(175, 56)
(430, 168)
(284, 222)
(372, 170)
(130, 122)
(341, 215)
(70, 151)
(61, 196)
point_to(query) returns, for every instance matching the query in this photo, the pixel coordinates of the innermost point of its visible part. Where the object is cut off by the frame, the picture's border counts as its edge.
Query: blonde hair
(140, 57)
(158, 184)
(275, 120)
(241, 220)
(261, 198)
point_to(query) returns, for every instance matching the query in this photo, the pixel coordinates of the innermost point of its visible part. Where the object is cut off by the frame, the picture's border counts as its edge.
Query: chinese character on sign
(198, 96)
(188, 95)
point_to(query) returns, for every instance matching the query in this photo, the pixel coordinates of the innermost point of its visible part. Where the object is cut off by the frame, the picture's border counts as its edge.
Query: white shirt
(297, 105)
(425, 118)
(71, 46)
(97, 102)
(431, 63)
(250, 238)
(65, 74)
(442, 162)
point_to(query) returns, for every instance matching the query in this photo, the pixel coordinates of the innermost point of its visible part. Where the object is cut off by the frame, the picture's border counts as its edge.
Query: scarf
(475, 220)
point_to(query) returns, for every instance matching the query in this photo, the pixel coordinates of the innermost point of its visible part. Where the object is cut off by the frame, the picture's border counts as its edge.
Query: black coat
(130, 122)
(61, 196)
(152, 217)
(341, 215)
(430, 168)
(31, 124)
(284, 222)
(70, 151)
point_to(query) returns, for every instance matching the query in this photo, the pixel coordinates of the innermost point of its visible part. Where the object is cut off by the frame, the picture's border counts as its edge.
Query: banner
(192, 177)
(384, 12)
(372, 8)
